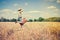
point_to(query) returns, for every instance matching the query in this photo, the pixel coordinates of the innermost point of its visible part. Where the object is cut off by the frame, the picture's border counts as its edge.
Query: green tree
(30, 20)
(13, 20)
(0, 20)
(3, 19)
(7, 20)
(53, 19)
(40, 19)
(35, 20)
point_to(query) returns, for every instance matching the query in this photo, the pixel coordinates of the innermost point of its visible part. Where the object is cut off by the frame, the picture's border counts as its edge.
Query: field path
(30, 31)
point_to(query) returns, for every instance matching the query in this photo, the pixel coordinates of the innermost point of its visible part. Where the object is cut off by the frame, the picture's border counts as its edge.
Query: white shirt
(19, 14)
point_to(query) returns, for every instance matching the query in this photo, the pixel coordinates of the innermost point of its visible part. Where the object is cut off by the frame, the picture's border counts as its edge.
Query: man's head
(20, 10)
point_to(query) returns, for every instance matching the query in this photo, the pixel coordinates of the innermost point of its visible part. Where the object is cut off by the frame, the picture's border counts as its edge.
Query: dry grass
(30, 31)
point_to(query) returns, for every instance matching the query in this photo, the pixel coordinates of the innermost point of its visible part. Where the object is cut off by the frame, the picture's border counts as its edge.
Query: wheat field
(30, 31)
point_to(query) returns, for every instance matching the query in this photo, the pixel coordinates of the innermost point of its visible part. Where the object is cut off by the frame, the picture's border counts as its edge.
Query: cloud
(50, 0)
(58, 1)
(53, 8)
(37, 13)
(34, 11)
(46, 14)
(40, 13)
(7, 11)
(26, 4)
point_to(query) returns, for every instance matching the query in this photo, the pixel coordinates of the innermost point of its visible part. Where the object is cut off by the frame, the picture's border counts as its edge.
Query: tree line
(7, 20)
(40, 19)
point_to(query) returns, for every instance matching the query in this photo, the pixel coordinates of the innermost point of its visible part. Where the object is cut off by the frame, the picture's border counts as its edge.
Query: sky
(31, 8)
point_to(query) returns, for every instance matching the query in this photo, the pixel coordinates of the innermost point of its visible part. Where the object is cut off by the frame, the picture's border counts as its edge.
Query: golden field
(30, 31)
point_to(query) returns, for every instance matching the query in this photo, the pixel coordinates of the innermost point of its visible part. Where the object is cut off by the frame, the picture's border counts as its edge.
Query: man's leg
(21, 24)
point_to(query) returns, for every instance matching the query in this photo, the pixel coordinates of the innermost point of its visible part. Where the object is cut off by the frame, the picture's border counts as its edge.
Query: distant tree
(30, 20)
(3, 19)
(7, 20)
(40, 19)
(0, 20)
(53, 19)
(13, 20)
(35, 20)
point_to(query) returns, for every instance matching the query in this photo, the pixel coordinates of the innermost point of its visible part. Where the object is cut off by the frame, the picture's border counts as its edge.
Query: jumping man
(20, 20)
(20, 15)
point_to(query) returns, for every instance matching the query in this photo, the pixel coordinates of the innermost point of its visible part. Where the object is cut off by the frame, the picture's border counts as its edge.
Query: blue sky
(31, 8)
